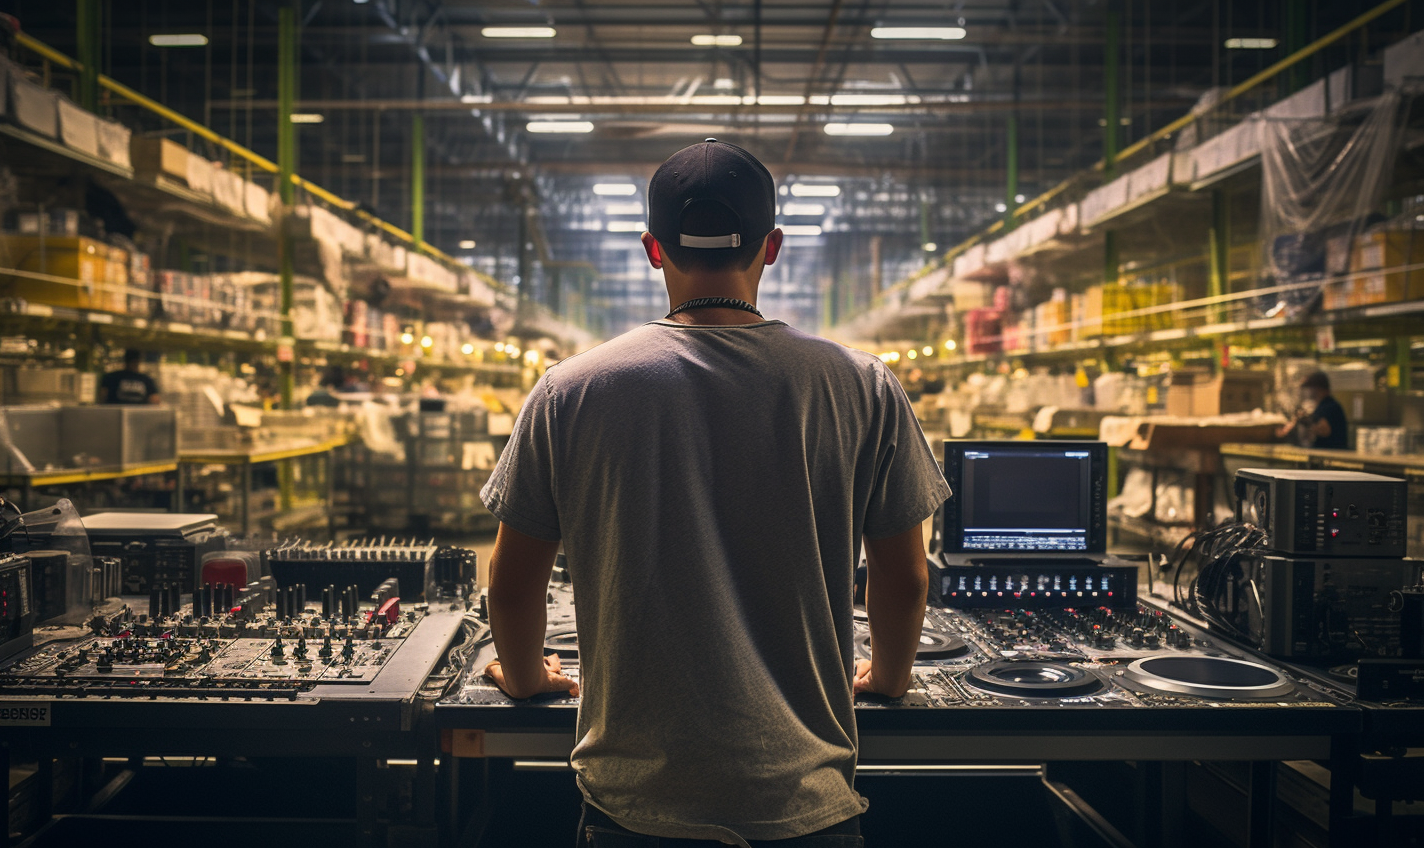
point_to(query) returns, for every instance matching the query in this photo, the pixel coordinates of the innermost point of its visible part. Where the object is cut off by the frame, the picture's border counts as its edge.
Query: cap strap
(733, 240)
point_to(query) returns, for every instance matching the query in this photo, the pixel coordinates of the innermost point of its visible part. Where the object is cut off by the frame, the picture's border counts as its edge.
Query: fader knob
(325, 650)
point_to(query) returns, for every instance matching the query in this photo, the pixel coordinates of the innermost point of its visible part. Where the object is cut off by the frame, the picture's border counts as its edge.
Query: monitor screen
(1025, 496)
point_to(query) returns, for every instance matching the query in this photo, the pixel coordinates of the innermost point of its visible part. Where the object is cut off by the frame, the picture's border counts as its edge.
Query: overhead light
(858, 129)
(780, 100)
(306, 118)
(949, 344)
(873, 99)
(1250, 43)
(1001, 207)
(801, 230)
(708, 40)
(178, 39)
(1018, 198)
(353, 158)
(499, 347)
(811, 190)
(929, 247)
(467, 244)
(716, 100)
(427, 342)
(567, 127)
(919, 33)
(518, 32)
(625, 226)
(912, 353)
(467, 348)
(927, 350)
(803, 209)
(629, 208)
(724, 84)
(407, 338)
(614, 189)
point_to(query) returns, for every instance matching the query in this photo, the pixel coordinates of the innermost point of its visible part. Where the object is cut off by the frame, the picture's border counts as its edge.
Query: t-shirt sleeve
(520, 492)
(908, 485)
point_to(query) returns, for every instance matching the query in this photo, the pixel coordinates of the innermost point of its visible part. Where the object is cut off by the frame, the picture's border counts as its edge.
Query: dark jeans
(597, 830)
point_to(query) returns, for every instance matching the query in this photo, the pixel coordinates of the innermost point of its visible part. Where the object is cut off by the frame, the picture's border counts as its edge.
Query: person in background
(128, 384)
(1320, 422)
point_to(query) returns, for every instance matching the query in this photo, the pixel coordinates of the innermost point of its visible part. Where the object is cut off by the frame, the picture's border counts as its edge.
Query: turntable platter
(1033, 679)
(1209, 677)
(564, 643)
(934, 645)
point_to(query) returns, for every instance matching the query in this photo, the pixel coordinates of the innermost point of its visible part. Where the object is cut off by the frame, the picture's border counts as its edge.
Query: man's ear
(654, 251)
(773, 245)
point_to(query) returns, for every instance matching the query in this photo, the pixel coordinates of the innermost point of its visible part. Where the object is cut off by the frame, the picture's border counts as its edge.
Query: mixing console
(1137, 657)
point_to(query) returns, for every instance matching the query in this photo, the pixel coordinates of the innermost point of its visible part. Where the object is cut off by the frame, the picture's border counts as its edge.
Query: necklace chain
(716, 302)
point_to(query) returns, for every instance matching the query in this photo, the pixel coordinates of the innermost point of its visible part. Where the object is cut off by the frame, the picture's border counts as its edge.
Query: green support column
(88, 14)
(1110, 257)
(286, 166)
(1218, 249)
(1399, 376)
(417, 178)
(1011, 186)
(1111, 118)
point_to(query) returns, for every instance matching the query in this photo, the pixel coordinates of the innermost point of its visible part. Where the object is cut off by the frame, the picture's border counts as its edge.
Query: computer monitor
(1016, 497)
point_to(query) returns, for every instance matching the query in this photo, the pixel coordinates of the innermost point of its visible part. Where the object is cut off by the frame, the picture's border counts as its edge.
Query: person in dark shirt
(1325, 426)
(128, 385)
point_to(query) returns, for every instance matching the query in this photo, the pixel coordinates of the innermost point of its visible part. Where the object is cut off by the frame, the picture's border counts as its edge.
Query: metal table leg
(1260, 805)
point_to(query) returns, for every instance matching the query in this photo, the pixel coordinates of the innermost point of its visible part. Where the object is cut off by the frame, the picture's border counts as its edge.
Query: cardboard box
(1194, 394)
(114, 139)
(78, 128)
(159, 157)
(1366, 407)
(200, 175)
(1386, 288)
(1337, 294)
(1387, 249)
(34, 107)
(85, 261)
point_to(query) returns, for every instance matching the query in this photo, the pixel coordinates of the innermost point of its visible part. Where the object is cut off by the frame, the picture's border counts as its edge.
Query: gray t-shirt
(711, 486)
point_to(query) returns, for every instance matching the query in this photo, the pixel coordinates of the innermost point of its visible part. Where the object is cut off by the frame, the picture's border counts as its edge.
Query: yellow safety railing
(48, 53)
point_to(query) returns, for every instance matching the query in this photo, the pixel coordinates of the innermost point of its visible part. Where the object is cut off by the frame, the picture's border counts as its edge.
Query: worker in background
(128, 384)
(711, 477)
(1320, 421)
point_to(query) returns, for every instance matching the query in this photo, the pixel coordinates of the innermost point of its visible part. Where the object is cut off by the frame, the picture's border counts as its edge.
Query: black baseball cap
(717, 172)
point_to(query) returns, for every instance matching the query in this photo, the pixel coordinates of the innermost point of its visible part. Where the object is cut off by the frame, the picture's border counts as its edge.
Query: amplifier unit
(1327, 607)
(1036, 584)
(1331, 513)
(17, 605)
(156, 549)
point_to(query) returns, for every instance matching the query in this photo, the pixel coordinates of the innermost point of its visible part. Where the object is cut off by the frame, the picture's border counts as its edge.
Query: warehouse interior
(277, 277)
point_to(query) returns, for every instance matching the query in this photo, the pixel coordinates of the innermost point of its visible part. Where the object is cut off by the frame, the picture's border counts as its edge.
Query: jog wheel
(1034, 679)
(934, 645)
(564, 643)
(1209, 677)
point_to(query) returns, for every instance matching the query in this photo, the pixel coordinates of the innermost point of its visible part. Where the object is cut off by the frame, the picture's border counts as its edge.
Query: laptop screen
(1044, 497)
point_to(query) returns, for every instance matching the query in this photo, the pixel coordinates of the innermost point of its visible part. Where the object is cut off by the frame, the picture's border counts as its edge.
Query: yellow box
(86, 261)
(1387, 249)
(1370, 289)
(159, 156)
(1336, 294)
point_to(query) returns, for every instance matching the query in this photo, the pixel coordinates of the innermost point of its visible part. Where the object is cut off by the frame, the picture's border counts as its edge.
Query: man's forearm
(518, 625)
(897, 616)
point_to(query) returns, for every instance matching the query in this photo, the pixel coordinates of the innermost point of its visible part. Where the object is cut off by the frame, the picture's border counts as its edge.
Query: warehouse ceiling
(645, 77)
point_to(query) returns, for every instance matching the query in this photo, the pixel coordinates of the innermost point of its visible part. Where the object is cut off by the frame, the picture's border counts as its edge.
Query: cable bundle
(1217, 553)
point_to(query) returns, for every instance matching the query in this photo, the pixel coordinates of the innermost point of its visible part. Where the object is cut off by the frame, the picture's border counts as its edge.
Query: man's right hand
(554, 679)
(866, 684)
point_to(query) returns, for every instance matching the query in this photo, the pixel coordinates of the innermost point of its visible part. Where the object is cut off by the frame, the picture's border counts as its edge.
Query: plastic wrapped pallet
(256, 201)
(114, 139)
(78, 128)
(1152, 177)
(1101, 201)
(200, 175)
(34, 107)
(228, 190)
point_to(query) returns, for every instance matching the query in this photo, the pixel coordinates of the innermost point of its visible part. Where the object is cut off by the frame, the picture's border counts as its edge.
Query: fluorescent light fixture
(565, 127)
(467, 244)
(1250, 43)
(716, 100)
(625, 227)
(794, 208)
(306, 118)
(178, 39)
(779, 100)
(929, 247)
(927, 350)
(724, 84)
(858, 129)
(626, 208)
(949, 344)
(809, 190)
(801, 230)
(873, 99)
(708, 40)
(466, 349)
(518, 32)
(919, 33)
(1001, 207)
(614, 189)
